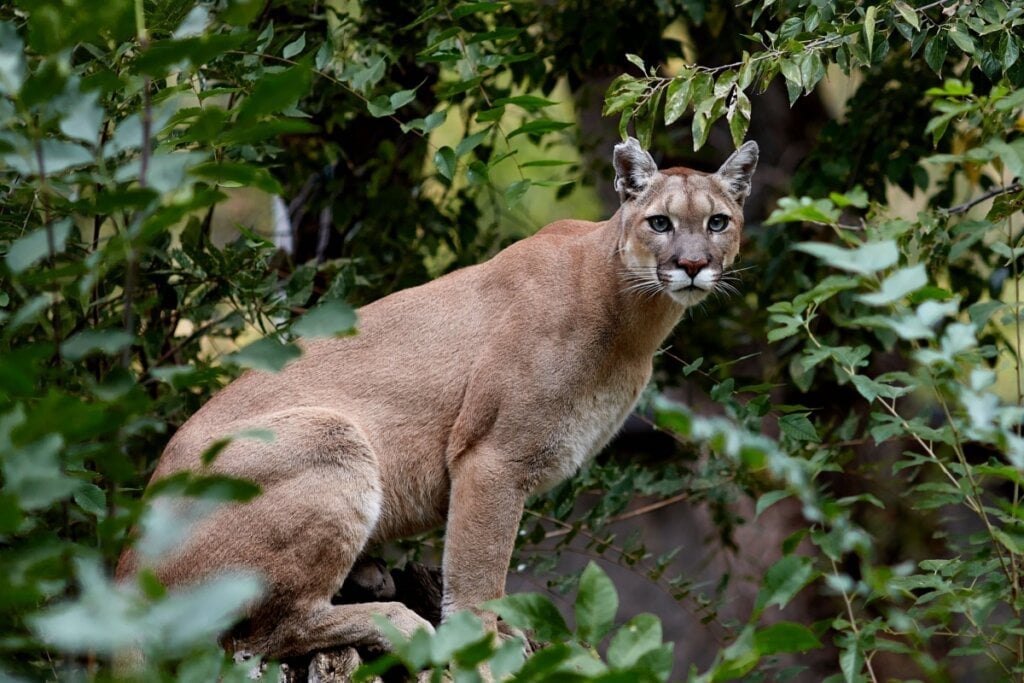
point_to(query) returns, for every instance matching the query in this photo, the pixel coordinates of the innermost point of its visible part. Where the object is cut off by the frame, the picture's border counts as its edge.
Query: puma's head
(680, 228)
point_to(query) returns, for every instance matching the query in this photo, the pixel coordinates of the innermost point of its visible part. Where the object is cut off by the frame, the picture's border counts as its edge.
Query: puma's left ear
(634, 169)
(736, 171)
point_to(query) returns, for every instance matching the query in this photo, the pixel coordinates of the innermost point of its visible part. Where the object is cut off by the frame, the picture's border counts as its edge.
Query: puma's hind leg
(319, 505)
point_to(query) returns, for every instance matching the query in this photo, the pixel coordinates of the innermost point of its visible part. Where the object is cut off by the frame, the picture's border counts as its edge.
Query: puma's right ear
(634, 169)
(736, 171)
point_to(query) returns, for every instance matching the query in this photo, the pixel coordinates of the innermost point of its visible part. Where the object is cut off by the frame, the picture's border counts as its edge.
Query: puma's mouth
(678, 280)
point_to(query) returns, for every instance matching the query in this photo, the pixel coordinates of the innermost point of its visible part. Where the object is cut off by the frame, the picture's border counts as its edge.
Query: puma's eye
(659, 223)
(718, 222)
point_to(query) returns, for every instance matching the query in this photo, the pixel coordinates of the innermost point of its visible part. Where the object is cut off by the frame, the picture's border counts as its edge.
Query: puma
(456, 400)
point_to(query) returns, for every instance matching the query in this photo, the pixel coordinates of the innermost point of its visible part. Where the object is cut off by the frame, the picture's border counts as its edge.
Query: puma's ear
(736, 171)
(634, 169)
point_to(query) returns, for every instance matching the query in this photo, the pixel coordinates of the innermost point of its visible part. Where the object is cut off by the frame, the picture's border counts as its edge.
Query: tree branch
(967, 206)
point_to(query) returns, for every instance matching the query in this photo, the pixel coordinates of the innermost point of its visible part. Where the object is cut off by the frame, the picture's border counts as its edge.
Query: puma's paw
(403, 618)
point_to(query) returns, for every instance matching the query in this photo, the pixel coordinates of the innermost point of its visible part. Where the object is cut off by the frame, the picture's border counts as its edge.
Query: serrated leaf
(531, 611)
(798, 427)
(784, 580)
(596, 604)
(637, 637)
(766, 500)
(867, 259)
(785, 636)
(328, 319)
(12, 59)
(897, 286)
(794, 210)
(29, 249)
(235, 174)
(88, 342)
(267, 354)
(275, 92)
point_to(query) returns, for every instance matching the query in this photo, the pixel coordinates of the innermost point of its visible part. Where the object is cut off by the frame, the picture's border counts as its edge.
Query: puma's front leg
(483, 518)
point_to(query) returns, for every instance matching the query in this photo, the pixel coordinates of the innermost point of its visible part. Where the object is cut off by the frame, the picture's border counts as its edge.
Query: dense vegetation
(868, 376)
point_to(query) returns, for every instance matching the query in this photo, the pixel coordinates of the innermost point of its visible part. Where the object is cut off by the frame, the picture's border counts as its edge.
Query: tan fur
(456, 400)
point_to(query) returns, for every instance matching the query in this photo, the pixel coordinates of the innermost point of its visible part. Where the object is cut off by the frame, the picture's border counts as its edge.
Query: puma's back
(455, 401)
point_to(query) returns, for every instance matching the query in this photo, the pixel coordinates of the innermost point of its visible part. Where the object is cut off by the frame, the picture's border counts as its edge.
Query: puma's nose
(692, 267)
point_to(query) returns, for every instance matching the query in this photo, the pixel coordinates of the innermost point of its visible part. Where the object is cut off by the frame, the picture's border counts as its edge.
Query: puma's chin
(688, 296)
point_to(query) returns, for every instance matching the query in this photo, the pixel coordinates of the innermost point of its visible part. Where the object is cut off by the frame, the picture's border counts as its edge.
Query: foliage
(886, 400)
(462, 647)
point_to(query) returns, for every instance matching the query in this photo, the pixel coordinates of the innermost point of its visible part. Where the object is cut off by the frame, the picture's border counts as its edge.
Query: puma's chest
(587, 424)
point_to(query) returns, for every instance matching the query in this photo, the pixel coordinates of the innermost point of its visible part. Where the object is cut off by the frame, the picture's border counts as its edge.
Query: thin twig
(131, 262)
(646, 509)
(51, 241)
(967, 206)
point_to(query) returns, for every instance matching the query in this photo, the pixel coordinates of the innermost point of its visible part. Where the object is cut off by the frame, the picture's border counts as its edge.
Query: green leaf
(897, 286)
(87, 342)
(851, 661)
(275, 92)
(871, 389)
(795, 210)
(83, 118)
(797, 427)
(908, 14)
(267, 354)
(637, 637)
(785, 636)
(402, 98)
(234, 174)
(295, 47)
(12, 59)
(865, 259)
(329, 319)
(766, 500)
(784, 580)
(380, 106)
(935, 52)
(516, 191)
(469, 143)
(58, 156)
(323, 57)
(92, 499)
(531, 611)
(475, 8)
(539, 127)
(962, 39)
(596, 604)
(33, 472)
(29, 249)
(677, 98)
(444, 159)
(869, 28)
(527, 102)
